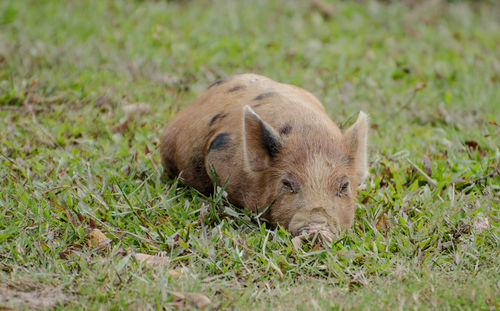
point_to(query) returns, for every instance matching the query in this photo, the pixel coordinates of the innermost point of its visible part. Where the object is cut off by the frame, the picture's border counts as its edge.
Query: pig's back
(219, 109)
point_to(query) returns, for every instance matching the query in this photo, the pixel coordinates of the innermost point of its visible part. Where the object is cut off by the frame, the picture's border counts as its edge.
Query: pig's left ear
(356, 139)
(260, 141)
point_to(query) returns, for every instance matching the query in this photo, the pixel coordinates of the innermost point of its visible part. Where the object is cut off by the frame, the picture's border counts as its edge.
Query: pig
(276, 150)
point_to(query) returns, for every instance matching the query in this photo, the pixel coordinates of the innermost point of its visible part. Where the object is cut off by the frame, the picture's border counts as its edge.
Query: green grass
(428, 75)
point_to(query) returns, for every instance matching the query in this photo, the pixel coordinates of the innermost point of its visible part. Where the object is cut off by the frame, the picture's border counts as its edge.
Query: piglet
(276, 148)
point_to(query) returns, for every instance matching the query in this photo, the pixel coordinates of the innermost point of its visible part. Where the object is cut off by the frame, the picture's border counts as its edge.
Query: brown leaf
(57, 205)
(427, 165)
(297, 241)
(98, 239)
(197, 299)
(71, 218)
(474, 145)
(420, 86)
(174, 273)
(103, 100)
(65, 253)
(481, 224)
(120, 127)
(80, 217)
(120, 252)
(92, 223)
(38, 99)
(382, 222)
(325, 9)
(137, 109)
(151, 260)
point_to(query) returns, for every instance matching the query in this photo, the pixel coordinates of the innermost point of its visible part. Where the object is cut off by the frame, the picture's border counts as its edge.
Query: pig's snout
(313, 230)
(314, 222)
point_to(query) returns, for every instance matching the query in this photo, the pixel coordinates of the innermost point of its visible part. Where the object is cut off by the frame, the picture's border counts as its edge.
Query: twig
(496, 171)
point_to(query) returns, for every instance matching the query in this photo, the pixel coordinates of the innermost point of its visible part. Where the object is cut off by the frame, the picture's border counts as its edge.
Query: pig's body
(281, 151)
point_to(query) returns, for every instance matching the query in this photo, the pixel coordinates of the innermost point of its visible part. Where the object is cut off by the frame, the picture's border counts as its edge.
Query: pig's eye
(344, 188)
(289, 186)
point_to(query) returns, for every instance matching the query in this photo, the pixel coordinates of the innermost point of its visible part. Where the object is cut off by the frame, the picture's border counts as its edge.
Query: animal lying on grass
(277, 149)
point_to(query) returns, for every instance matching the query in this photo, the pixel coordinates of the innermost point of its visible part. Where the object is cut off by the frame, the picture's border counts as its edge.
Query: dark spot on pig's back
(218, 82)
(259, 104)
(236, 88)
(221, 141)
(285, 129)
(263, 95)
(217, 117)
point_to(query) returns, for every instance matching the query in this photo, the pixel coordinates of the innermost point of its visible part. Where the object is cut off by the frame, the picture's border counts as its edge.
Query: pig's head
(310, 170)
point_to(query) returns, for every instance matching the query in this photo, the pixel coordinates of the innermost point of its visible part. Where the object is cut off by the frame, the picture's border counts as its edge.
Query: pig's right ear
(357, 139)
(260, 141)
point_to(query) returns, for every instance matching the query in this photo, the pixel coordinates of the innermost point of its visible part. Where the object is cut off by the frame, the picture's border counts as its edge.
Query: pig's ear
(260, 141)
(357, 138)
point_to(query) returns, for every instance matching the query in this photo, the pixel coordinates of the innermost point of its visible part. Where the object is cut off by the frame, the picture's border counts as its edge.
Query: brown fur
(274, 144)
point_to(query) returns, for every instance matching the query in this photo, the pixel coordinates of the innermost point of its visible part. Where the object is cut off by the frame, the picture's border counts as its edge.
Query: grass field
(77, 153)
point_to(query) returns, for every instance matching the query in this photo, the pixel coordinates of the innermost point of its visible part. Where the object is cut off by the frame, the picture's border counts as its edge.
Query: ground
(86, 87)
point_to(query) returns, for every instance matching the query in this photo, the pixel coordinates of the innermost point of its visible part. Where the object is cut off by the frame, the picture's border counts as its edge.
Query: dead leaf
(297, 241)
(474, 145)
(382, 222)
(38, 99)
(427, 165)
(174, 273)
(420, 86)
(64, 254)
(481, 224)
(197, 299)
(92, 223)
(137, 109)
(104, 100)
(120, 127)
(325, 9)
(151, 260)
(71, 218)
(98, 239)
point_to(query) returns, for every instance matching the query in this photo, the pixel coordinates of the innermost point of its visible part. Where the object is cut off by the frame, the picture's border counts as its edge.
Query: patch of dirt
(30, 295)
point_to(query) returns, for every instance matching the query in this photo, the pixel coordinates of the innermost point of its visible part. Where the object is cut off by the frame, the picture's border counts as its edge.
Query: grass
(426, 234)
